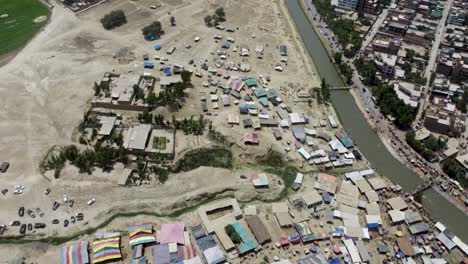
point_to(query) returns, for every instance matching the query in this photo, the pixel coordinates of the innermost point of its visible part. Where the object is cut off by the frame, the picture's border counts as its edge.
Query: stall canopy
(186, 252)
(75, 254)
(141, 234)
(161, 254)
(106, 249)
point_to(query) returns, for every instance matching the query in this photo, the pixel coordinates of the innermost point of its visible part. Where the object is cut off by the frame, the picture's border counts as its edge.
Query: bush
(113, 19)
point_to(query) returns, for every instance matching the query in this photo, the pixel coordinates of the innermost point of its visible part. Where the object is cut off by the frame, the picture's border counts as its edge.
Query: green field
(19, 26)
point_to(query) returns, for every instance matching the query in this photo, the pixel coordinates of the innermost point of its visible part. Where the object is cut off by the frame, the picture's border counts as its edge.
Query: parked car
(23, 229)
(65, 198)
(21, 211)
(39, 212)
(79, 217)
(55, 221)
(4, 191)
(65, 223)
(73, 219)
(47, 191)
(30, 227)
(4, 166)
(31, 213)
(39, 225)
(2, 229)
(90, 202)
(71, 202)
(55, 206)
(15, 223)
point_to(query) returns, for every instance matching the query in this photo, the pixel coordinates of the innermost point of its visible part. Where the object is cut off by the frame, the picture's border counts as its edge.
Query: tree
(325, 91)
(186, 77)
(338, 57)
(220, 14)
(172, 20)
(138, 92)
(113, 19)
(154, 29)
(208, 20)
(152, 99)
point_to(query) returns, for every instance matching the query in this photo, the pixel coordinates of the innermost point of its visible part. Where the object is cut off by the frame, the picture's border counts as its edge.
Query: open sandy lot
(46, 89)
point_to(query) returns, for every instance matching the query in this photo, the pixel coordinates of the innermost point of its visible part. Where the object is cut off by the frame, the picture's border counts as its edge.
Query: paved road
(432, 60)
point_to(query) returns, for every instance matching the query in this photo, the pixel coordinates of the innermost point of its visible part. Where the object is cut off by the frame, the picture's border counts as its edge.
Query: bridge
(422, 187)
(340, 88)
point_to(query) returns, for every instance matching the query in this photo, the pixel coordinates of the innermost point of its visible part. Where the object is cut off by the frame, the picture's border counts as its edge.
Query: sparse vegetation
(113, 19)
(216, 18)
(211, 157)
(159, 143)
(190, 126)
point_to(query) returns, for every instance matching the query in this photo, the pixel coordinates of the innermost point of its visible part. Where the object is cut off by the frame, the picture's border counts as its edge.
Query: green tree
(152, 99)
(113, 19)
(154, 29)
(186, 77)
(220, 14)
(338, 57)
(208, 20)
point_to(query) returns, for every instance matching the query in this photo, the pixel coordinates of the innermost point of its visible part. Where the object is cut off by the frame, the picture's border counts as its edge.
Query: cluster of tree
(154, 29)
(146, 117)
(190, 126)
(413, 77)
(117, 138)
(418, 146)
(163, 173)
(100, 156)
(69, 2)
(323, 94)
(113, 19)
(216, 18)
(348, 37)
(344, 68)
(159, 120)
(455, 171)
(170, 96)
(367, 70)
(138, 93)
(462, 102)
(215, 135)
(390, 104)
(233, 235)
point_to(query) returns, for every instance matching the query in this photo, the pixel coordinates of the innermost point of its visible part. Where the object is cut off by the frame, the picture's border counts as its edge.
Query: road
(432, 60)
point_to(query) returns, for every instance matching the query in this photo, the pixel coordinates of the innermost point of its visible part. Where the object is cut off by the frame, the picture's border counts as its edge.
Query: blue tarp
(243, 110)
(373, 226)
(206, 242)
(157, 47)
(167, 71)
(326, 197)
(226, 45)
(334, 261)
(198, 232)
(149, 65)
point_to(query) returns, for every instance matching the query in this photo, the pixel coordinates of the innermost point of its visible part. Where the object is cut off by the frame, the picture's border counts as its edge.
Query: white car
(65, 198)
(90, 202)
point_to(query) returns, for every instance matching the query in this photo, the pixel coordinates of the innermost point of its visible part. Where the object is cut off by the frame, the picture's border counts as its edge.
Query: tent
(157, 47)
(172, 233)
(141, 234)
(148, 65)
(75, 254)
(161, 254)
(106, 249)
(167, 71)
(214, 255)
(186, 252)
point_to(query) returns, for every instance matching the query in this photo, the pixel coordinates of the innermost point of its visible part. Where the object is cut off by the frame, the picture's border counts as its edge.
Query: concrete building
(385, 63)
(408, 92)
(347, 4)
(136, 137)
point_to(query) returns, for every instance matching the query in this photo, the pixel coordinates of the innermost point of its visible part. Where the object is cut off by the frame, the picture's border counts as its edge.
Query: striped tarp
(75, 254)
(186, 252)
(141, 234)
(106, 249)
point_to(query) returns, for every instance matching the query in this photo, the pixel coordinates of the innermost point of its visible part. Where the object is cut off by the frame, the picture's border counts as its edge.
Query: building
(387, 45)
(385, 63)
(168, 81)
(347, 4)
(463, 160)
(136, 137)
(409, 93)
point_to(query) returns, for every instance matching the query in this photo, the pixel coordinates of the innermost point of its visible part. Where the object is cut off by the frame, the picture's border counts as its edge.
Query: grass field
(19, 26)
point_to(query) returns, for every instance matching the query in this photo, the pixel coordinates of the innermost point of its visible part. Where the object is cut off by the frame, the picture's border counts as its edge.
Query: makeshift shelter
(258, 228)
(198, 232)
(405, 246)
(214, 255)
(206, 242)
(299, 133)
(305, 232)
(75, 254)
(161, 254)
(186, 252)
(172, 233)
(248, 244)
(141, 234)
(318, 258)
(106, 249)
(260, 180)
(397, 203)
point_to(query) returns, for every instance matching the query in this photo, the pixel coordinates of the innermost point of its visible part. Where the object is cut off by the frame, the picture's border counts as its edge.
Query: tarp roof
(206, 242)
(214, 255)
(75, 254)
(161, 254)
(198, 231)
(258, 228)
(172, 233)
(405, 246)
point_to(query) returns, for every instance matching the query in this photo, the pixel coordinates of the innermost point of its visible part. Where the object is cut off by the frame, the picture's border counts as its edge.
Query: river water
(365, 138)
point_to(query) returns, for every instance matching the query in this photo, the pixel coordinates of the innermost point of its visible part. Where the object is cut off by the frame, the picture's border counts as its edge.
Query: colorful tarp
(248, 243)
(172, 233)
(75, 254)
(106, 249)
(161, 254)
(141, 234)
(186, 252)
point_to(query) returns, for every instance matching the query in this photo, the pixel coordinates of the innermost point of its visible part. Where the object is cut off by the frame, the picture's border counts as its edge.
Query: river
(364, 137)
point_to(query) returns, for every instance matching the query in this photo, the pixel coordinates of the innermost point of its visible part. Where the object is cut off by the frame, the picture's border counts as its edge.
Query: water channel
(365, 138)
